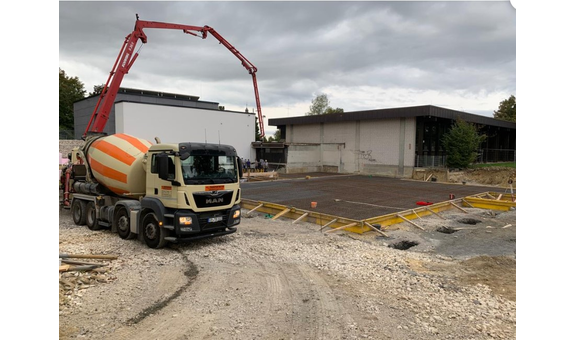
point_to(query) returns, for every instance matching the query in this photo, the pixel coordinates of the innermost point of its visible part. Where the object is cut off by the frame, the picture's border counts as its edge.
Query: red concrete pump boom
(126, 59)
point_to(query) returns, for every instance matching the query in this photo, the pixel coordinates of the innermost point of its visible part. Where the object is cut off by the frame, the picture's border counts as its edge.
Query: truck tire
(79, 212)
(154, 235)
(122, 223)
(91, 221)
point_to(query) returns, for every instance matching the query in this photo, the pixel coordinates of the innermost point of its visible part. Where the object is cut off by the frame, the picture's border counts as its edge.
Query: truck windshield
(206, 169)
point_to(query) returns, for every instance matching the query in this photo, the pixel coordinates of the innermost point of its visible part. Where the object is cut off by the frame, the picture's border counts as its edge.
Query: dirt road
(279, 280)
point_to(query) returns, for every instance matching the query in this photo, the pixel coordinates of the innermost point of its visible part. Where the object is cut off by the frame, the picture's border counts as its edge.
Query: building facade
(172, 118)
(390, 142)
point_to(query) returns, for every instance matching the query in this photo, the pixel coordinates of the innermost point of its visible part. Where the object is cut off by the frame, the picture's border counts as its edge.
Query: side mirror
(240, 167)
(162, 163)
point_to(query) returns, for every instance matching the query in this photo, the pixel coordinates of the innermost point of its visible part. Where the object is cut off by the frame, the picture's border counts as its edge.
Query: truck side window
(154, 165)
(171, 168)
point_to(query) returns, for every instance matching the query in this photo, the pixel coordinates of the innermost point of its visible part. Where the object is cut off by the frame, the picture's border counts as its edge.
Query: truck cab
(192, 192)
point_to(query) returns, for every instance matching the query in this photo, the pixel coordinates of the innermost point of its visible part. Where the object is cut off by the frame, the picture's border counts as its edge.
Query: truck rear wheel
(122, 222)
(79, 212)
(154, 235)
(91, 221)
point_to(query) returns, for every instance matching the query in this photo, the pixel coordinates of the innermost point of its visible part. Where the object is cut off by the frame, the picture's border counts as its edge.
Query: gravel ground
(277, 280)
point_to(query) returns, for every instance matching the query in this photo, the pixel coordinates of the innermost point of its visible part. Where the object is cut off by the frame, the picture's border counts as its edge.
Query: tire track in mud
(133, 326)
(241, 290)
(188, 313)
(190, 273)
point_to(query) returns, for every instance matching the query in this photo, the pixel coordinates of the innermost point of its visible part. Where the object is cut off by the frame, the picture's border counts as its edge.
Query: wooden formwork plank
(343, 227)
(466, 202)
(328, 223)
(408, 221)
(433, 212)
(301, 217)
(413, 210)
(375, 229)
(458, 207)
(254, 209)
(510, 197)
(384, 220)
(285, 211)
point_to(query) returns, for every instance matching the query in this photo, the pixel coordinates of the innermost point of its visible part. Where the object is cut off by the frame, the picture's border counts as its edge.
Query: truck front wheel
(154, 235)
(122, 222)
(79, 212)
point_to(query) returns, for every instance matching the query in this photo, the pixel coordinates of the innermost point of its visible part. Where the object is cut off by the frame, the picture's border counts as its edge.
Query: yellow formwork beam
(497, 196)
(298, 214)
(492, 204)
(486, 200)
(400, 217)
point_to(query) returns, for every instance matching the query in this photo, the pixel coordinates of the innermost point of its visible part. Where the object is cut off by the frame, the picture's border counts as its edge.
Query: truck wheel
(91, 217)
(79, 212)
(154, 236)
(122, 222)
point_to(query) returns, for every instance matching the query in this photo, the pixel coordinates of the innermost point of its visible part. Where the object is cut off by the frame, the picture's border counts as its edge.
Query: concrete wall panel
(180, 124)
(304, 134)
(380, 147)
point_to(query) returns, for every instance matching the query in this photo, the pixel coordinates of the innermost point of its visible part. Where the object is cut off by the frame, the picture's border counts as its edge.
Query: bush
(461, 144)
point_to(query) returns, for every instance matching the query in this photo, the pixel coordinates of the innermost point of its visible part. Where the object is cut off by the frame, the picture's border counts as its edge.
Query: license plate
(215, 219)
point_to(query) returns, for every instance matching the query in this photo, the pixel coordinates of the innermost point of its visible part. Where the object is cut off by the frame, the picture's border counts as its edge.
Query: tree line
(71, 90)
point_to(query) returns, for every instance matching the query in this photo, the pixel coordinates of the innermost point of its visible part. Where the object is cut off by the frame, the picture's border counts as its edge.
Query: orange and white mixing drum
(116, 163)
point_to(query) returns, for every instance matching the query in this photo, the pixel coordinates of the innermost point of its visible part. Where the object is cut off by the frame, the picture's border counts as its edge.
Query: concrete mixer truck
(158, 193)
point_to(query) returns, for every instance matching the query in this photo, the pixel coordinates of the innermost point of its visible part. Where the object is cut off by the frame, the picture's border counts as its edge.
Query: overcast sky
(363, 55)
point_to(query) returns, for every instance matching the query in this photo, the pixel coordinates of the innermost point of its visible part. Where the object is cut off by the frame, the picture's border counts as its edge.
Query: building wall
(183, 124)
(379, 147)
(84, 108)
(303, 158)
(303, 134)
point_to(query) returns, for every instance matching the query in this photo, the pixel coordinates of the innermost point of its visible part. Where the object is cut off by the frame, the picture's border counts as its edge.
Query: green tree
(278, 135)
(258, 137)
(461, 144)
(275, 138)
(71, 90)
(320, 106)
(330, 110)
(506, 110)
(97, 89)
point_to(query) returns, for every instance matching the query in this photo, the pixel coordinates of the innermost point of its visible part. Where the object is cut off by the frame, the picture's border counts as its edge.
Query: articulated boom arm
(247, 64)
(126, 59)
